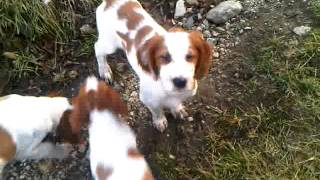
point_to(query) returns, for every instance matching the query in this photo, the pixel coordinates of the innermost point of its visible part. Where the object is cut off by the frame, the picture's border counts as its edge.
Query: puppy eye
(189, 57)
(166, 58)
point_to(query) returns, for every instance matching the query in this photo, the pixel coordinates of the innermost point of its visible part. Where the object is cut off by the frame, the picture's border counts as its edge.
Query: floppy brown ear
(80, 113)
(147, 55)
(108, 98)
(204, 50)
(64, 132)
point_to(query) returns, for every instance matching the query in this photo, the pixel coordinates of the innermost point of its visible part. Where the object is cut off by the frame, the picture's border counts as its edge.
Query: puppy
(25, 122)
(168, 63)
(113, 149)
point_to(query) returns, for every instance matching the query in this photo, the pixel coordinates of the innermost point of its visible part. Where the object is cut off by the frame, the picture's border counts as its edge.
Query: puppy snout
(179, 82)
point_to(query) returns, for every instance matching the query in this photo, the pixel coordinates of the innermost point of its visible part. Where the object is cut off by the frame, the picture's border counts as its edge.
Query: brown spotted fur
(105, 98)
(127, 12)
(202, 54)
(109, 3)
(134, 153)
(7, 146)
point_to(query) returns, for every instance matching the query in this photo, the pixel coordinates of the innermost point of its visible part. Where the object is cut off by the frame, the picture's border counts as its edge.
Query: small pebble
(190, 119)
(172, 156)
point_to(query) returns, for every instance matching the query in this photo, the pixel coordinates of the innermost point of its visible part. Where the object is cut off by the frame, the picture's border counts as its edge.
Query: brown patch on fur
(109, 3)
(134, 153)
(64, 132)
(127, 12)
(149, 55)
(54, 94)
(7, 146)
(102, 172)
(107, 98)
(141, 34)
(176, 29)
(127, 40)
(202, 54)
(104, 98)
(147, 175)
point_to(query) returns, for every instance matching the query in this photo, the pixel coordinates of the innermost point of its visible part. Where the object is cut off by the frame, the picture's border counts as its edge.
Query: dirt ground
(182, 145)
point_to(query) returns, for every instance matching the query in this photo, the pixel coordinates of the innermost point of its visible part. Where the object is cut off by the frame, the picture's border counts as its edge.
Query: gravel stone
(212, 41)
(190, 22)
(224, 11)
(302, 30)
(190, 119)
(216, 54)
(87, 29)
(180, 9)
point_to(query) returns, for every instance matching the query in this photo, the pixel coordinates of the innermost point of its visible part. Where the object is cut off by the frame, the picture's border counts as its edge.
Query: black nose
(179, 82)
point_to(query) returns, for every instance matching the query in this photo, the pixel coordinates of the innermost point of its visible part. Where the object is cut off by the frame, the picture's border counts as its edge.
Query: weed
(315, 7)
(167, 165)
(31, 19)
(25, 64)
(71, 11)
(26, 25)
(87, 45)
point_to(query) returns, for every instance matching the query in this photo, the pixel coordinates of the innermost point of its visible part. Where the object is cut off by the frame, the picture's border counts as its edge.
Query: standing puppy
(168, 63)
(113, 148)
(25, 122)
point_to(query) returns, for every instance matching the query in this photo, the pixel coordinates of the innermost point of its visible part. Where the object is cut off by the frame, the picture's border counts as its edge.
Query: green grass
(29, 24)
(282, 140)
(168, 169)
(23, 63)
(30, 19)
(315, 7)
(87, 45)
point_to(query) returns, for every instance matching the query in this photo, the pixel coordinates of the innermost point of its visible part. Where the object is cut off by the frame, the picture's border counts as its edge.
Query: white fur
(109, 143)
(91, 84)
(155, 94)
(28, 120)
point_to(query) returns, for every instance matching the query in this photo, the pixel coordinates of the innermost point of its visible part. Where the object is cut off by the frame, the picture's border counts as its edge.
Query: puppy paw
(160, 124)
(106, 74)
(180, 113)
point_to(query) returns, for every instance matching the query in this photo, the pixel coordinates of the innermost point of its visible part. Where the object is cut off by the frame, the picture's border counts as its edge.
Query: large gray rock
(180, 9)
(190, 22)
(224, 11)
(302, 30)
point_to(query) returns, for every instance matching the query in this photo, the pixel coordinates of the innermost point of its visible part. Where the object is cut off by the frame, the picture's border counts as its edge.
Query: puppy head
(94, 95)
(177, 59)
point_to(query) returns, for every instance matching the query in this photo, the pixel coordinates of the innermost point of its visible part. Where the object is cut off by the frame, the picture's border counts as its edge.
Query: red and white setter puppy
(25, 122)
(113, 148)
(168, 63)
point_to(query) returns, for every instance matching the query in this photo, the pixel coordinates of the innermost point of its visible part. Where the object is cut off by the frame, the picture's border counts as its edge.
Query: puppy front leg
(179, 112)
(159, 120)
(102, 50)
